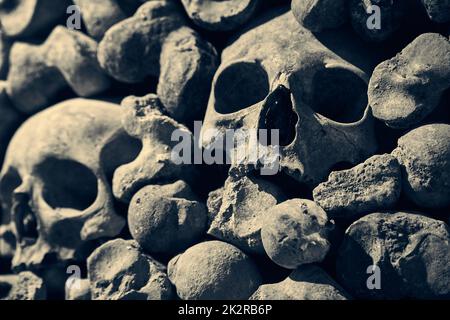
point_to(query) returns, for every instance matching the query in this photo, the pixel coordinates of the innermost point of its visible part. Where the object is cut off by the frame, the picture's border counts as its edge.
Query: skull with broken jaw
(279, 76)
(55, 181)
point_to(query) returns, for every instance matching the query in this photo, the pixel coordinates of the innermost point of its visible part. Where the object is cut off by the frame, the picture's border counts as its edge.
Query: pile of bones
(94, 205)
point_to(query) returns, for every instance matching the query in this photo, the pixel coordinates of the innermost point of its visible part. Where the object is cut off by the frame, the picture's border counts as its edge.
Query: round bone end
(295, 233)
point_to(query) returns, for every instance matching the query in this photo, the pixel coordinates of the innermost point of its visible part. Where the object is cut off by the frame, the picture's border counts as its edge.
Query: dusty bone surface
(166, 218)
(295, 232)
(145, 119)
(220, 15)
(119, 270)
(308, 282)
(236, 211)
(319, 15)
(407, 88)
(214, 270)
(188, 64)
(411, 251)
(100, 15)
(39, 72)
(424, 156)
(23, 286)
(130, 50)
(24, 18)
(373, 185)
(92, 183)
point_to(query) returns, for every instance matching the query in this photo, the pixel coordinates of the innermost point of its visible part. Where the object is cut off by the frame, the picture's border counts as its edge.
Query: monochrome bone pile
(122, 124)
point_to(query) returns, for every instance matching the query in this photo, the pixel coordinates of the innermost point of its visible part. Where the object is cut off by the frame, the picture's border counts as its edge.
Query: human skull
(54, 184)
(279, 76)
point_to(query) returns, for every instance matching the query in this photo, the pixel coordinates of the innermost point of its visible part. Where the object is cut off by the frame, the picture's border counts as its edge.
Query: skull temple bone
(278, 75)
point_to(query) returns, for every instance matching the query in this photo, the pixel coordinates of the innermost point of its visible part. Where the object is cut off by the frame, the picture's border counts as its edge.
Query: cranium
(279, 76)
(55, 180)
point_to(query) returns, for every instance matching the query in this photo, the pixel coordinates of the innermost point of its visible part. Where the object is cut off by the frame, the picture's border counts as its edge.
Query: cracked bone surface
(424, 156)
(217, 15)
(370, 186)
(308, 282)
(236, 211)
(144, 119)
(39, 72)
(408, 253)
(130, 50)
(408, 87)
(23, 286)
(272, 79)
(295, 233)
(319, 15)
(120, 270)
(214, 270)
(54, 186)
(24, 18)
(166, 218)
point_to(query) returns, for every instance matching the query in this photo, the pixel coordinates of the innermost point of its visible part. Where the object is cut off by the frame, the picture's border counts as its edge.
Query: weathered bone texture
(166, 218)
(7, 242)
(81, 290)
(273, 79)
(23, 286)
(100, 15)
(54, 182)
(39, 72)
(130, 50)
(424, 154)
(411, 251)
(368, 187)
(407, 88)
(295, 232)
(214, 270)
(188, 64)
(5, 46)
(319, 15)
(25, 18)
(438, 10)
(391, 15)
(308, 282)
(119, 270)
(220, 15)
(9, 120)
(236, 211)
(144, 119)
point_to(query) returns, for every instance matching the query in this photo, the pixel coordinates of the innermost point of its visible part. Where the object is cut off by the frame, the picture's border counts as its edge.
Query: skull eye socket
(67, 184)
(239, 86)
(339, 95)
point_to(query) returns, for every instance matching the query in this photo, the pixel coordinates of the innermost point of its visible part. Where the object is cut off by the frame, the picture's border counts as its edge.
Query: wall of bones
(98, 200)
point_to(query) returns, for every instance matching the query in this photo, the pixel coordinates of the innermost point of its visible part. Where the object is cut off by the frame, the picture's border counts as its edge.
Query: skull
(55, 181)
(279, 76)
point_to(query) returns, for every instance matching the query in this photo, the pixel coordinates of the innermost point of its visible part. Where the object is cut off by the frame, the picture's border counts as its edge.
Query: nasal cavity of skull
(339, 95)
(278, 114)
(240, 86)
(67, 184)
(121, 150)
